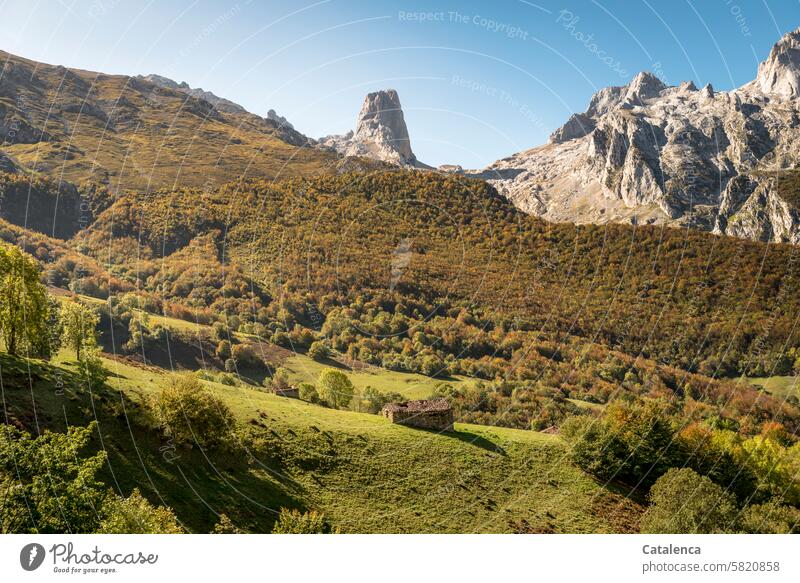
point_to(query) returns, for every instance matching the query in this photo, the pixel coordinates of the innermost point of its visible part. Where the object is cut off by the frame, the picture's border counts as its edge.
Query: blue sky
(477, 80)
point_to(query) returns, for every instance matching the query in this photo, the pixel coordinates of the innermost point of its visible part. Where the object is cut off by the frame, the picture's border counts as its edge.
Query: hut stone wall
(434, 414)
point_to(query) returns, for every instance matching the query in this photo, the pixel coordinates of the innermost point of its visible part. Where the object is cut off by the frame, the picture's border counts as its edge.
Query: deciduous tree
(23, 303)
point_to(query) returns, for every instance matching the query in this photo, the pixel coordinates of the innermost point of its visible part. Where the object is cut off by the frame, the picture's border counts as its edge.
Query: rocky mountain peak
(279, 119)
(381, 132)
(648, 153)
(644, 86)
(780, 73)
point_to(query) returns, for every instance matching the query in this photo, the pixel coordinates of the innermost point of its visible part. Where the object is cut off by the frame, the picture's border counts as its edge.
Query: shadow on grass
(476, 440)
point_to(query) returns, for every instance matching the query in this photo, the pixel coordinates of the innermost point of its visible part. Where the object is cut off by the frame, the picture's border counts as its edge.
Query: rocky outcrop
(277, 123)
(279, 119)
(219, 103)
(577, 126)
(380, 133)
(646, 152)
(780, 73)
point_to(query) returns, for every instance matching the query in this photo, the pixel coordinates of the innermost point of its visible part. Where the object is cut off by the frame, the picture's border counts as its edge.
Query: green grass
(303, 369)
(364, 473)
(782, 386)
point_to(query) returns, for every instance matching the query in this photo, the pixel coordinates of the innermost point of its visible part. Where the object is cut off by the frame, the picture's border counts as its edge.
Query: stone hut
(292, 392)
(434, 414)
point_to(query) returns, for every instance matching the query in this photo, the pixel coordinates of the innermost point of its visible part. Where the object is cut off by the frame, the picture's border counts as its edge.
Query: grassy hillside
(783, 386)
(410, 385)
(129, 133)
(366, 474)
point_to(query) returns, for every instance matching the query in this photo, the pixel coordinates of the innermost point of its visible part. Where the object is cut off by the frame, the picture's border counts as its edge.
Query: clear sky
(478, 80)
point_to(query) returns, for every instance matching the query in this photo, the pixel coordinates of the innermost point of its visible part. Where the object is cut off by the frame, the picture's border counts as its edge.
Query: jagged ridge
(658, 154)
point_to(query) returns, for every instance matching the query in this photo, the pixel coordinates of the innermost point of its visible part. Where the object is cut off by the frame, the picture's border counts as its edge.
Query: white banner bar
(388, 558)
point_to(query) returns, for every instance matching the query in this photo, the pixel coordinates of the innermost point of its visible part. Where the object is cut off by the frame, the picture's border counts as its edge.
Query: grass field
(303, 369)
(364, 473)
(781, 386)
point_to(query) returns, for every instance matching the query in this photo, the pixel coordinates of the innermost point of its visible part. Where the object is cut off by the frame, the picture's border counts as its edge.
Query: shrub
(295, 522)
(246, 356)
(772, 517)
(135, 515)
(684, 502)
(335, 388)
(225, 526)
(230, 365)
(279, 380)
(228, 379)
(189, 413)
(90, 366)
(220, 330)
(319, 350)
(46, 486)
(308, 392)
(223, 351)
(632, 443)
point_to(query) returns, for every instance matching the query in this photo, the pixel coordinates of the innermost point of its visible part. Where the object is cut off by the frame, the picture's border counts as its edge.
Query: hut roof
(421, 406)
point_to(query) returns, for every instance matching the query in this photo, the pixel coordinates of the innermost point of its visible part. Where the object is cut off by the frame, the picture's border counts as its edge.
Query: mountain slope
(681, 156)
(366, 474)
(689, 299)
(128, 132)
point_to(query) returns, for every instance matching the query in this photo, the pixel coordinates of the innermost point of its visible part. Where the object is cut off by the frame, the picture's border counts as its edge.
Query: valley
(203, 314)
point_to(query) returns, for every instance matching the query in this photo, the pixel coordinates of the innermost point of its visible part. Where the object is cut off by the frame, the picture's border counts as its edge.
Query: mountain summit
(780, 73)
(652, 153)
(381, 132)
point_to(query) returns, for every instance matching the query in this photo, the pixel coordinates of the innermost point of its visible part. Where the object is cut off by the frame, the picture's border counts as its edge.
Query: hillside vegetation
(699, 302)
(126, 132)
(593, 371)
(364, 473)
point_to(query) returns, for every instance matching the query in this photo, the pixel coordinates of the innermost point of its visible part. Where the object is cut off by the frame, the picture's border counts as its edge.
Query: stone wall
(437, 420)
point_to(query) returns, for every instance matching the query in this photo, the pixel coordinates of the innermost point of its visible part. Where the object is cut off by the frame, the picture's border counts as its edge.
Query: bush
(189, 413)
(308, 392)
(228, 379)
(335, 388)
(225, 526)
(135, 515)
(294, 522)
(46, 486)
(279, 380)
(631, 443)
(771, 518)
(223, 351)
(245, 355)
(684, 502)
(319, 350)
